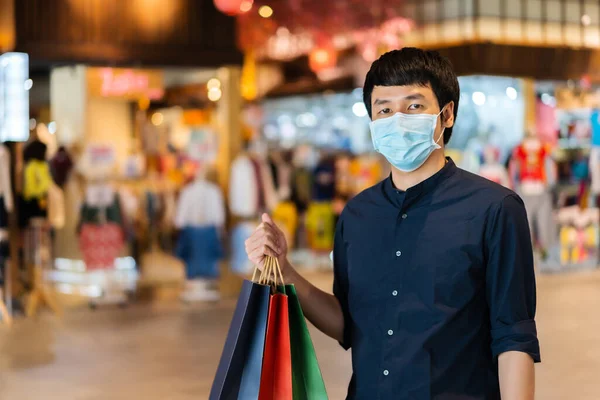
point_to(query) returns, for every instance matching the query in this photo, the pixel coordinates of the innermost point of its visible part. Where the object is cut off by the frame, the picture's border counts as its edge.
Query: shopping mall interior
(141, 141)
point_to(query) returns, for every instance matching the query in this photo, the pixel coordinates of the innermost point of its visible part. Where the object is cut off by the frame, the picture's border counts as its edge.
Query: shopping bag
(276, 379)
(239, 373)
(307, 381)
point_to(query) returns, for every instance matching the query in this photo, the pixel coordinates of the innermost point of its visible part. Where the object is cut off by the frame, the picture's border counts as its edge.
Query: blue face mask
(406, 140)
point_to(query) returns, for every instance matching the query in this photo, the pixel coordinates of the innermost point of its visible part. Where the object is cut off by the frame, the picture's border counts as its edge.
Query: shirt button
(404, 216)
(398, 253)
(390, 332)
(395, 293)
(386, 372)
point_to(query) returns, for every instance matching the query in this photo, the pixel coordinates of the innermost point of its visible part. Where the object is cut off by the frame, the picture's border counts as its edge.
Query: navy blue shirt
(435, 283)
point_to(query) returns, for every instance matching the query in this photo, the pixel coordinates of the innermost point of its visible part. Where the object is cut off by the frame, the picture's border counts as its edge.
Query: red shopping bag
(276, 378)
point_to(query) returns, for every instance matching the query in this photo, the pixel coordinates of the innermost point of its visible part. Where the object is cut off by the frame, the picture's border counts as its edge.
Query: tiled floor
(171, 352)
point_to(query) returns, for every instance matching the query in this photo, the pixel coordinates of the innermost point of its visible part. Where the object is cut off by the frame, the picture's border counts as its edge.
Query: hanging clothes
(302, 184)
(60, 166)
(37, 180)
(243, 188)
(529, 166)
(324, 180)
(200, 203)
(101, 232)
(320, 226)
(285, 216)
(200, 249)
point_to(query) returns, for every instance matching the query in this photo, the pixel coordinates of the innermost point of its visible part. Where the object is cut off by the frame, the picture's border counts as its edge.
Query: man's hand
(517, 376)
(321, 308)
(267, 240)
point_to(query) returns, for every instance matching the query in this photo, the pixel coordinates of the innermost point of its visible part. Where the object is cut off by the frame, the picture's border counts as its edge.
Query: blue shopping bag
(239, 372)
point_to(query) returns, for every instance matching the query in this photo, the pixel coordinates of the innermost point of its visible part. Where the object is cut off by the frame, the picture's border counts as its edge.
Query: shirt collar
(401, 198)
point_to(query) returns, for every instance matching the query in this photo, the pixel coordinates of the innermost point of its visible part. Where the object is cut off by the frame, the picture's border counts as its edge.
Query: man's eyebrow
(414, 96)
(381, 101)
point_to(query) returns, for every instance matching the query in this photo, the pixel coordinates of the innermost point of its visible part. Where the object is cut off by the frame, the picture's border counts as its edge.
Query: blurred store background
(141, 140)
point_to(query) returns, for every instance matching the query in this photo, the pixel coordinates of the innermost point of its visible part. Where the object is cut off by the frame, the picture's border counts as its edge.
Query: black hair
(412, 66)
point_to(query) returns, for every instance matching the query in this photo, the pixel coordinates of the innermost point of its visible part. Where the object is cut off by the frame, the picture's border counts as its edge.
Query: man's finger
(268, 221)
(269, 238)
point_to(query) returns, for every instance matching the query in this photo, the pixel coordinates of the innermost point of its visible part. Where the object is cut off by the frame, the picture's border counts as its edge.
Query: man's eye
(384, 111)
(413, 107)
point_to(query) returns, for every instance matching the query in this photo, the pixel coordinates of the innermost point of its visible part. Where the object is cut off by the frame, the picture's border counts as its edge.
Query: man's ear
(448, 116)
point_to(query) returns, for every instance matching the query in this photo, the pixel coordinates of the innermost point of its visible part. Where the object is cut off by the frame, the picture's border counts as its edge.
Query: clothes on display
(281, 171)
(366, 171)
(539, 215)
(134, 166)
(302, 181)
(60, 166)
(530, 166)
(533, 173)
(100, 244)
(200, 248)
(285, 216)
(579, 235)
(101, 227)
(37, 180)
(320, 226)
(200, 215)
(492, 169)
(200, 203)
(324, 180)
(251, 187)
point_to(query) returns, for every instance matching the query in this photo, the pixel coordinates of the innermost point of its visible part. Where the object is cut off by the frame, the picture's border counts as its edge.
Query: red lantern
(322, 58)
(233, 7)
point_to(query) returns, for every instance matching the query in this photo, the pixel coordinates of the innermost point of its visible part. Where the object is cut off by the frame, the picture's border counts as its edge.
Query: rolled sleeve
(510, 280)
(340, 281)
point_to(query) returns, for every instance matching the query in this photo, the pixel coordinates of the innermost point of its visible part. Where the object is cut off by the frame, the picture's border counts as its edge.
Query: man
(434, 287)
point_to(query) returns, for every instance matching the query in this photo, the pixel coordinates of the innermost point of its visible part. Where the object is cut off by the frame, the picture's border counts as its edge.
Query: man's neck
(404, 180)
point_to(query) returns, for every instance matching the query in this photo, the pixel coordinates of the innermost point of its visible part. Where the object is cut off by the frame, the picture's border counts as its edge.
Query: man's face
(413, 99)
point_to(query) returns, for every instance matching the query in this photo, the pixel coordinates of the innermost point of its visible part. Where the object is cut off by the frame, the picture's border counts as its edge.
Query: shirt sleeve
(510, 280)
(340, 280)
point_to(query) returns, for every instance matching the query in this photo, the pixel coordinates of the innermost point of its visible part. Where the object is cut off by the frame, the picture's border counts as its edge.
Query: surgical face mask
(406, 140)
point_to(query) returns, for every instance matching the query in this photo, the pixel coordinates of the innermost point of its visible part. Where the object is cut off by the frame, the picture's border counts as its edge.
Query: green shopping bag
(307, 381)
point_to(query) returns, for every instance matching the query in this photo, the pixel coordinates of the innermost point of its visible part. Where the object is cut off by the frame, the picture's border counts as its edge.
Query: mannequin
(492, 169)
(534, 174)
(201, 217)
(37, 181)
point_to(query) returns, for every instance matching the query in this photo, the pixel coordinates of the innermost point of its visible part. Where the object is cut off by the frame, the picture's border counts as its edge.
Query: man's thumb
(266, 218)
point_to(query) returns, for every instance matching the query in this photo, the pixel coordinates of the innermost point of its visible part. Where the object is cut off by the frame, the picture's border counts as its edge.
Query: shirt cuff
(521, 336)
